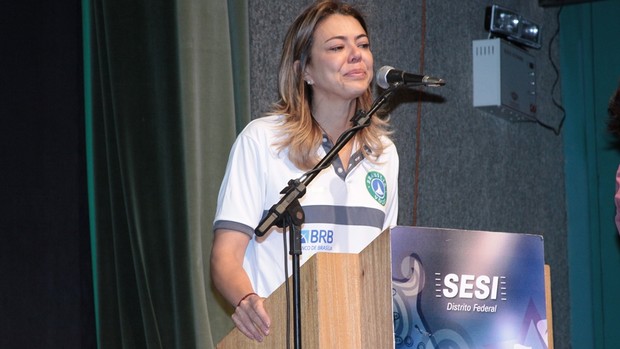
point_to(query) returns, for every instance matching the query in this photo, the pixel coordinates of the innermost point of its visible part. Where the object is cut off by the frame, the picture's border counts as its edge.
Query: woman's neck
(334, 119)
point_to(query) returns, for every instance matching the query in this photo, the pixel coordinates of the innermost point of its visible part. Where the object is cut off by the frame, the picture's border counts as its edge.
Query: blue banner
(462, 289)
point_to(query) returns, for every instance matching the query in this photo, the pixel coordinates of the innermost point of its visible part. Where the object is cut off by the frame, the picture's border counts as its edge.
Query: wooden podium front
(346, 302)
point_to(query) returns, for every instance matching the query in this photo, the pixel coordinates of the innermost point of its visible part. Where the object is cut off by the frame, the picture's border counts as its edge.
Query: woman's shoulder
(388, 145)
(263, 127)
(268, 123)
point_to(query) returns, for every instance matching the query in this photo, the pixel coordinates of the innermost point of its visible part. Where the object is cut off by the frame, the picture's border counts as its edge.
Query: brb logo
(317, 239)
(468, 286)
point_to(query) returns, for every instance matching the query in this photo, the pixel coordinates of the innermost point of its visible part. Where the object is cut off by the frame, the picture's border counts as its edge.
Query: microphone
(387, 76)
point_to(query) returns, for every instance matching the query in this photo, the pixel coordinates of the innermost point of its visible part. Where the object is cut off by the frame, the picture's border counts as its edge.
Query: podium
(346, 302)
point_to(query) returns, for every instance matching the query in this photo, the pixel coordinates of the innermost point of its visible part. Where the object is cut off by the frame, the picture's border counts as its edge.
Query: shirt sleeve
(391, 212)
(241, 196)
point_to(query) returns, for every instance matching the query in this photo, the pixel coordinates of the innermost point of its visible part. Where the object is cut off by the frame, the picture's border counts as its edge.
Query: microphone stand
(289, 213)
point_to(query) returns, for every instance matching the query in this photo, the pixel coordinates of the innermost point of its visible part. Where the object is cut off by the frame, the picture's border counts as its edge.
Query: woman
(325, 73)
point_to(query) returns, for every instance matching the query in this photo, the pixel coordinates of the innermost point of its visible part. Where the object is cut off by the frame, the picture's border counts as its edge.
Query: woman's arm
(233, 283)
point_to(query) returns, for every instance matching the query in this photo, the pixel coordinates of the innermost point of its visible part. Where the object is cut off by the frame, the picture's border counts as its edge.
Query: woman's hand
(251, 318)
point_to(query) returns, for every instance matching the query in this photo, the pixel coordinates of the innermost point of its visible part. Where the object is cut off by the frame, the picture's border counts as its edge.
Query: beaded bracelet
(246, 296)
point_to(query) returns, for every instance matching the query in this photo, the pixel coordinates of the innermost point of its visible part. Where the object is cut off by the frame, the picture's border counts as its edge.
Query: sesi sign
(469, 286)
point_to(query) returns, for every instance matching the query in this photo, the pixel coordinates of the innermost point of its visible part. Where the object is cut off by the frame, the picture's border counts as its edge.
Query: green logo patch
(377, 186)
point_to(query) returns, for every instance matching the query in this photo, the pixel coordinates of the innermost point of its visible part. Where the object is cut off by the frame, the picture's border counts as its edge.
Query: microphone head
(382, 76)
(434, 82)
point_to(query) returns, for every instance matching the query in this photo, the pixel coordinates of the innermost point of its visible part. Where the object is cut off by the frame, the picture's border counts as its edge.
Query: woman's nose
(356, 55)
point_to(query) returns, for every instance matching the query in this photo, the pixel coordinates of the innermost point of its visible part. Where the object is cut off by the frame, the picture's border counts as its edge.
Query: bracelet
(246, 296)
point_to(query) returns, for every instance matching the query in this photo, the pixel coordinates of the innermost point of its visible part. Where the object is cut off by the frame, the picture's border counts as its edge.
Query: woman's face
(341, 64)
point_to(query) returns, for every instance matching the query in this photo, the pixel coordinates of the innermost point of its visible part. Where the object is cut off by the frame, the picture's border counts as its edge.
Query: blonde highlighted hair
(301, 134)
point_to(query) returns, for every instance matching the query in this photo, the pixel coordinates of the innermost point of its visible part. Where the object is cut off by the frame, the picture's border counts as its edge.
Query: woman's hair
(613, 110)
(301, 133)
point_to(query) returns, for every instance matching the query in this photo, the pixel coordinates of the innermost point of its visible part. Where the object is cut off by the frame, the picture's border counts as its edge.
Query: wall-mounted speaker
(504, 80)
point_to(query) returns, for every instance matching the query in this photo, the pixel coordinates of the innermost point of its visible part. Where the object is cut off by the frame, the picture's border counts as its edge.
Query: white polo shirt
(344, 212)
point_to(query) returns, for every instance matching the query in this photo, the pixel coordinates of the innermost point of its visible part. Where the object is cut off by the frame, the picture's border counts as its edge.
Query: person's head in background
(613, 110)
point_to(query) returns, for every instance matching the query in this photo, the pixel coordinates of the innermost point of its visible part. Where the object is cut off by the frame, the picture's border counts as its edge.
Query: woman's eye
(336, 48)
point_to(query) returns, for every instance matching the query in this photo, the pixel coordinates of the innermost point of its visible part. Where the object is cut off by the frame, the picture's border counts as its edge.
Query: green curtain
(167, 90)
(590, 58)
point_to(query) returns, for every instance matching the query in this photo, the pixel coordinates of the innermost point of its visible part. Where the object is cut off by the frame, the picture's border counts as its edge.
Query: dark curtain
(161, 115)
(46, 295)
(142, 269)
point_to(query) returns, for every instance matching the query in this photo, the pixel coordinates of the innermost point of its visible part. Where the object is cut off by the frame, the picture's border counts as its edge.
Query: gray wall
(476, 171)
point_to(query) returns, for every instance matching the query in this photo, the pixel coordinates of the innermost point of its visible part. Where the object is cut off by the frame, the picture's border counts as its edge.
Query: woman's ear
(307, 78)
